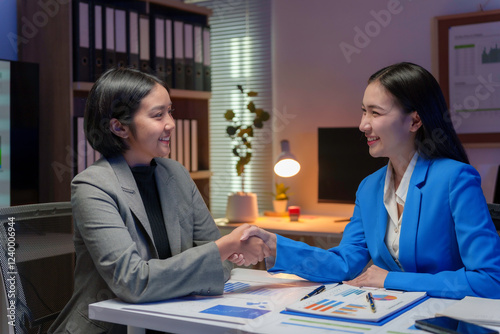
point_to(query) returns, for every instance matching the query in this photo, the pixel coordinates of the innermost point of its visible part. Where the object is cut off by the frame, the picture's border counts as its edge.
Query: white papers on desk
(483, 311)
(243, 301)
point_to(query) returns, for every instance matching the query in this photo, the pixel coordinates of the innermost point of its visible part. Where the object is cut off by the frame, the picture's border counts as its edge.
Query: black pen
(314, 292)
(371, 301)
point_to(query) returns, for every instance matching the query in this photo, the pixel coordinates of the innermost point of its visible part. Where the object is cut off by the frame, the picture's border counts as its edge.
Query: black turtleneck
(145, 178)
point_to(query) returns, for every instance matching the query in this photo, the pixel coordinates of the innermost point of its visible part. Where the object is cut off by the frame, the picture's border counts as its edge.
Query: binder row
(183, 145)
(174, 49)
(85, 154)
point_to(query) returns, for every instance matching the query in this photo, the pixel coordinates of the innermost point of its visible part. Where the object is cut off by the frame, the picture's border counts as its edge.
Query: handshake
(247, 245)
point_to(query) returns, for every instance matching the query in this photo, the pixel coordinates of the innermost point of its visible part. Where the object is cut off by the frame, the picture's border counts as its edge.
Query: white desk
(184, 317)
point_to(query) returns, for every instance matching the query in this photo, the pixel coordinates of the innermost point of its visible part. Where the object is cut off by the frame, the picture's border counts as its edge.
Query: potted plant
(280, 198)
(242, 206)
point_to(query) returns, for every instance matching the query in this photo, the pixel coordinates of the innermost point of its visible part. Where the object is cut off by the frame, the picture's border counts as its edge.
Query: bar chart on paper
(256, 290)
(344, 301)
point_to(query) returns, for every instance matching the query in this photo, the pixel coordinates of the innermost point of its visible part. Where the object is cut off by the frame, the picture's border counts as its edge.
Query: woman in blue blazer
(422, 219)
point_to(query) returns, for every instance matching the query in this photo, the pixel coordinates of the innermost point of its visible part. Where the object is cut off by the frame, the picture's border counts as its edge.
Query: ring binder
(169, 53)
(179, 74)
(207, 69)
(188, 56)
(120, 37)
(82, 42)
(144, 54)
(133, 39)
(158, 48)
(198, 58)
(98, 67)
(109, 37)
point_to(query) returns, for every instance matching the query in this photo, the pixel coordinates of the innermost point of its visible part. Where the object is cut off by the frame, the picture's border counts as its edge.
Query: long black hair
(415, 89)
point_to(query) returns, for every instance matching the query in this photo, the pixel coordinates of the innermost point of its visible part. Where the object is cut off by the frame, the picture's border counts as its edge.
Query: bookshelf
(45, 37)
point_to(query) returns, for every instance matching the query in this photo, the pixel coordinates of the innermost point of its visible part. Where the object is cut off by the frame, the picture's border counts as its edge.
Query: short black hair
(415, 89)
(116, 94)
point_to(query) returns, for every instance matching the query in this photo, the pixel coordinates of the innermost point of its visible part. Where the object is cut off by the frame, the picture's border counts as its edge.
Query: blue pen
(371, 301)
(314, 292)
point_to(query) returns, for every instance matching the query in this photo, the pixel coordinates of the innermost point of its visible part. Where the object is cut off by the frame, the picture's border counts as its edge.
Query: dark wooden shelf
(59, 95)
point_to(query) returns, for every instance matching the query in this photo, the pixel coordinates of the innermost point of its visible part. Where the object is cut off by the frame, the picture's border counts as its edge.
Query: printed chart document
(482, 311)
(349, 302)
(246, 299)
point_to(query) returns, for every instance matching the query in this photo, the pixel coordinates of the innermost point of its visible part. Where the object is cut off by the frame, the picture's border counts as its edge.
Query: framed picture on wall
(469, 73)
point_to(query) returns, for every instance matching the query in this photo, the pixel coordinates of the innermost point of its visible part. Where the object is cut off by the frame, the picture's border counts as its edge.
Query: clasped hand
(252, 240)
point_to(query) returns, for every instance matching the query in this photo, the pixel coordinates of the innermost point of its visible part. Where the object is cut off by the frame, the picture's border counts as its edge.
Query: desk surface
(190, 316)
(308, 225)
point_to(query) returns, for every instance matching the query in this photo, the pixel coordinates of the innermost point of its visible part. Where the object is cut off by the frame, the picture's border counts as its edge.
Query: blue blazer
(448, 244)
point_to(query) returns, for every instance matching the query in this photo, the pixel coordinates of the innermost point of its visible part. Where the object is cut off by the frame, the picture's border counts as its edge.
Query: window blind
(240, 55)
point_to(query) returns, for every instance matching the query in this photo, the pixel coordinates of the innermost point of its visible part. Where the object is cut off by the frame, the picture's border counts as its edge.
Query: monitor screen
(343, 161)
(19, 139)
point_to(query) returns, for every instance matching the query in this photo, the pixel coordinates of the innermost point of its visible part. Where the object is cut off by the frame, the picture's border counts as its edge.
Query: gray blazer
(115, 252)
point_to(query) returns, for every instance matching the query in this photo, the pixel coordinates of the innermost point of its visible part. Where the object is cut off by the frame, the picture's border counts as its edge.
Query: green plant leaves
(229, 115)
(231, 130)
(264, 116)
(281, 191)
(240, 165)
(251, 106)
(258, 123)
(242, 133)
(248, 131)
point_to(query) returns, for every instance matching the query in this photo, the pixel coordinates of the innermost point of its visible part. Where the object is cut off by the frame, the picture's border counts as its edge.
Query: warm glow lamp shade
(286, 164)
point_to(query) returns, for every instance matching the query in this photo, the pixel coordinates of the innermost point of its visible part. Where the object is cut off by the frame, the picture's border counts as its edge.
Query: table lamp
(286, 164)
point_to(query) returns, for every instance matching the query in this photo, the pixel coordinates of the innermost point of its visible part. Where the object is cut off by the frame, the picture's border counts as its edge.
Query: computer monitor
(343, 161)
(19, 133)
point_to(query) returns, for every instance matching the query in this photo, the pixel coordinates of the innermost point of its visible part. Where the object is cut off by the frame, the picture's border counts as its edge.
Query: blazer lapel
(131, 192)
(411, 216)
(167, 190)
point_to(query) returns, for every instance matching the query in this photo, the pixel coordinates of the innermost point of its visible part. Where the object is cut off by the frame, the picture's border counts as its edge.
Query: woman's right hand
(268, 237)
(249, 251)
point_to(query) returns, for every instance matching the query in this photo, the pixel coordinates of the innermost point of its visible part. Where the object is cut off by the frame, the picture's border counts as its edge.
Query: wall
(8, 29)
(315, 84)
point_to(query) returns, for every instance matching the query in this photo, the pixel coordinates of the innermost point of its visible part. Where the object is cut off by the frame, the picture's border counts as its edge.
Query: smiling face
(390, 131)
(152, 125)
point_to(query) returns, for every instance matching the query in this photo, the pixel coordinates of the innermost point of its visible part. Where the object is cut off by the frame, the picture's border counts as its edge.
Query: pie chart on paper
(384, 297)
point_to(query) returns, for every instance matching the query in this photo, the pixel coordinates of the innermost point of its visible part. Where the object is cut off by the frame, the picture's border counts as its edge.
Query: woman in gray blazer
(142, 230)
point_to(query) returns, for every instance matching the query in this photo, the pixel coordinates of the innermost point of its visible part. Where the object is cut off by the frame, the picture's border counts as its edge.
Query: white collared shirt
(392, 198)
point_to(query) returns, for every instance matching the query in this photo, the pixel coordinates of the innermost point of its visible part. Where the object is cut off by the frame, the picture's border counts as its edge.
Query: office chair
(495, 214)
(496, 194)
(37, 259)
